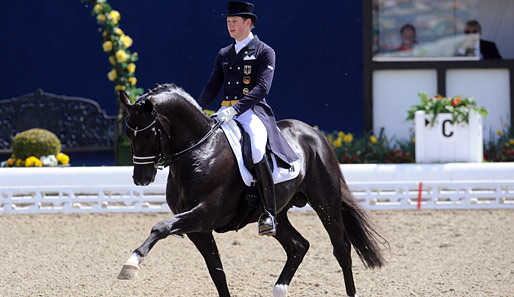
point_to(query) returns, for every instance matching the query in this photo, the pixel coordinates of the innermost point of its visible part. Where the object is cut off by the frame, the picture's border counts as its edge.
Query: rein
(165, 161)
(160, 161)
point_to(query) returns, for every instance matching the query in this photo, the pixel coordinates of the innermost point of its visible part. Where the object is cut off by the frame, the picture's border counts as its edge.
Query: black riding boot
(267, 225)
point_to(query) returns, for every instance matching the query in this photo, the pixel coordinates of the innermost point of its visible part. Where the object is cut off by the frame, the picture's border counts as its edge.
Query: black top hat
(243, 9)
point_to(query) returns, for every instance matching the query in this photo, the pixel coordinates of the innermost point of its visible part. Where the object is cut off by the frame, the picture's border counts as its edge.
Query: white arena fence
(376, 186)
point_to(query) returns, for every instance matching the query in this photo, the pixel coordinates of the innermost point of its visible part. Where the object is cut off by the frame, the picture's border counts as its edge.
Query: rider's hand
(226, 114)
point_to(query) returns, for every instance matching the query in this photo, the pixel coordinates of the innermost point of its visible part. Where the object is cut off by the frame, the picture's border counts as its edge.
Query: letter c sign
(445, 133)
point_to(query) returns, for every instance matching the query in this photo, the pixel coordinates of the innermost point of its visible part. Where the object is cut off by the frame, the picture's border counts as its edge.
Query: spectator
(488, 49)
(408, 34)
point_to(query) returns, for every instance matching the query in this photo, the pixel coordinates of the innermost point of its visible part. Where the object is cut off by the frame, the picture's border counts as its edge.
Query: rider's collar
(241, 44)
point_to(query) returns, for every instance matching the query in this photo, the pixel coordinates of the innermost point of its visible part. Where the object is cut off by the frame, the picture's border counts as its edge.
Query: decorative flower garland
(116, 45)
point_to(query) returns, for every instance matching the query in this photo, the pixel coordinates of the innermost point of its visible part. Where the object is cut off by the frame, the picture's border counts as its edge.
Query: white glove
(226, 114)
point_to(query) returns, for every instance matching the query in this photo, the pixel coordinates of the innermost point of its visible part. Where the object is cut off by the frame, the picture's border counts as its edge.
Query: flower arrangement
(32, 161)
(458, 106)
(116, 44)
(500, 147)
(370, 149)
(36, 148)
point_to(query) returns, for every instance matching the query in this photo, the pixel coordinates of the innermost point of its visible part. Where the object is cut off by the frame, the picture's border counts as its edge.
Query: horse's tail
(362, 234)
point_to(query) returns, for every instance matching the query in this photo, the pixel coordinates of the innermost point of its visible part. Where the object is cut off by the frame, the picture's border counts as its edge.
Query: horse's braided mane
(174, 90)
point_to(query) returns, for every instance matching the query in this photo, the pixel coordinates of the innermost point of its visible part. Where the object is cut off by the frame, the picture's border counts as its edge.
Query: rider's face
(238, 28)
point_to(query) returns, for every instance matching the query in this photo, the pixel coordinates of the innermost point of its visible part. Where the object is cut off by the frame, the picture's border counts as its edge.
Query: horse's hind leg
(205, 243)
(342, 247)
(326, 201)
(295, 246)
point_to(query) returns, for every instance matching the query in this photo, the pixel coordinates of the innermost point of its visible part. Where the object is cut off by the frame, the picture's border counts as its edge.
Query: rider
(245, 71)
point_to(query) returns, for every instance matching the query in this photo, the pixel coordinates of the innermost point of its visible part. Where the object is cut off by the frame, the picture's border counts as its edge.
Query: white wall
(394, 92)
(490, 87)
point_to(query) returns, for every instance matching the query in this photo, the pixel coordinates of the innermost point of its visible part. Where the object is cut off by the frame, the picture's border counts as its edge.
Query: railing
(110, 189)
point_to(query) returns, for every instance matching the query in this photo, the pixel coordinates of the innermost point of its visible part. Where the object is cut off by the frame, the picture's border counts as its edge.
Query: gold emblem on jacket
(246, 91)
(247, 69)
(246, 80)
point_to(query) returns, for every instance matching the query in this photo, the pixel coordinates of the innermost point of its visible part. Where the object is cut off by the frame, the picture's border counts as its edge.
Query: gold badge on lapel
(246, 80)
(247, 69)
(246, 91)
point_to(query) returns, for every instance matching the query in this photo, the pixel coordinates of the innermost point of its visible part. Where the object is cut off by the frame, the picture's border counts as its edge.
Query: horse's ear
(125, 100)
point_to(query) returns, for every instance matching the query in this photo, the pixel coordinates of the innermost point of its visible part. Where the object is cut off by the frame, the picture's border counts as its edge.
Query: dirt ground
(433, 253)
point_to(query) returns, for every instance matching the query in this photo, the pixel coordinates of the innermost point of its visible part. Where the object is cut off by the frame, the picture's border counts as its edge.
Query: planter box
(445, 142)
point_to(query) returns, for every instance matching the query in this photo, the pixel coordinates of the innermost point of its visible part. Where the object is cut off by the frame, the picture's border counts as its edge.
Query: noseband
(160, 160)
(147, 159)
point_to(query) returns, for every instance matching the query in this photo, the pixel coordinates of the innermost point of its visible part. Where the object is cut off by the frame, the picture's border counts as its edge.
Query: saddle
(249, 201)
(239, 141)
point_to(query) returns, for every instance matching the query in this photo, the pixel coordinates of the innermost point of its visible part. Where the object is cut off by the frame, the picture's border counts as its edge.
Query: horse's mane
(163, 92)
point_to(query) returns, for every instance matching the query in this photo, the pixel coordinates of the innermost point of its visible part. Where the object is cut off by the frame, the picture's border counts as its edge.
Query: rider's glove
(226, 114)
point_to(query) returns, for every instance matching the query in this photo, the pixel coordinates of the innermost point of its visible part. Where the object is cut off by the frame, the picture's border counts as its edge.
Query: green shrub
(35, 142)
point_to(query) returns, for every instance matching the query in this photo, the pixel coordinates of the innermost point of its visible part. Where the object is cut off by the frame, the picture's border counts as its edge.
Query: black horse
(205, 188)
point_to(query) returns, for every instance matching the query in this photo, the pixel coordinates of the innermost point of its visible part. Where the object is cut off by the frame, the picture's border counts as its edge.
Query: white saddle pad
(280, 174)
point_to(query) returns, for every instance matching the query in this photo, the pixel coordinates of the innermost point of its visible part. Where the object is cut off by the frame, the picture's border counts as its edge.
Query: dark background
(55, 45)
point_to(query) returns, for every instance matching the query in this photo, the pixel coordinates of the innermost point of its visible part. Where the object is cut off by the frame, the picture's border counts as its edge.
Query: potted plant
(448, 129)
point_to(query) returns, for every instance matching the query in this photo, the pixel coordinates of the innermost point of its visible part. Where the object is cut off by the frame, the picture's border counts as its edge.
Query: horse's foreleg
(186, 222)
(205, 243)
(295, 246)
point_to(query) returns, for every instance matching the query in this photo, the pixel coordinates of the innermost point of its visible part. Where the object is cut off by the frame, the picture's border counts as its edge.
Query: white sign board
(443, 141)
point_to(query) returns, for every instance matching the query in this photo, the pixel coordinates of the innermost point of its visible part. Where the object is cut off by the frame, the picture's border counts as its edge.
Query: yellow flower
(33, 162)
(101, 18)
(10, 162)
(104, 34)
(107, 46)
(111, 59)
(120, 87)
(348, 138)
(126, 41)
(413, 139)
(131, 67)
(98, 8)
(115, 16)
(340, 134)
(511, 141)
(373, 139)
(132, 80)
(330, 137)
(63, 159)
(121, 56)
(118, 31)
(338, 142)
(500, 132)
(112, 75)
(20, 162)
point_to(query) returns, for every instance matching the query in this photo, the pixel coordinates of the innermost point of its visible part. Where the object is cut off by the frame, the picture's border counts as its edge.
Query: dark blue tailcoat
(247, 77)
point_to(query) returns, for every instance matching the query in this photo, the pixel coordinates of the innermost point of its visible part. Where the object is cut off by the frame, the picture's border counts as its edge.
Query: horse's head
(144, 132)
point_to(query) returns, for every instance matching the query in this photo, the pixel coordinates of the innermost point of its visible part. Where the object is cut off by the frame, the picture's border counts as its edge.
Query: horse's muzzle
(144, 177)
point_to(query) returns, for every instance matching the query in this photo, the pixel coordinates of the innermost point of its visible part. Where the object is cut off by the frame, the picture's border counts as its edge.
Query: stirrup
(267, 224)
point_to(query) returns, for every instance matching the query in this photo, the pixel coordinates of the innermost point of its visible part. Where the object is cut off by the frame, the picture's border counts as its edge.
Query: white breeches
(257, 131)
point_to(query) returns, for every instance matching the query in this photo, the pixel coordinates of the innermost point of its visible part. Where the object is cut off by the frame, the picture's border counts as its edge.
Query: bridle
(159, 160)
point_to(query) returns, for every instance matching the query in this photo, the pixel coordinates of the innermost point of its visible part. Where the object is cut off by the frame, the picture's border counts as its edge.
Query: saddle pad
(280, 174)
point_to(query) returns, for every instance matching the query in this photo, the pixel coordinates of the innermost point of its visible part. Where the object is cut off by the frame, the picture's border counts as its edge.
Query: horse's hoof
(128, 271)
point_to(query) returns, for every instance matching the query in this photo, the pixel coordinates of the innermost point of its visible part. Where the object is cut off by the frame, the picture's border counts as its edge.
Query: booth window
(424, 29)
